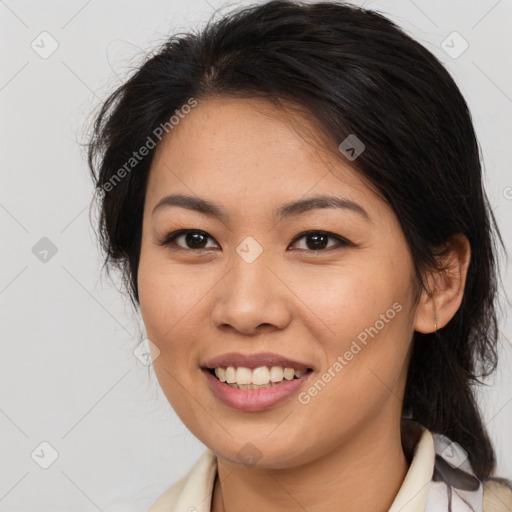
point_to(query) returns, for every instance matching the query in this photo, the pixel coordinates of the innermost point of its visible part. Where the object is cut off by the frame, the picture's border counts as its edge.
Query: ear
(444, 288)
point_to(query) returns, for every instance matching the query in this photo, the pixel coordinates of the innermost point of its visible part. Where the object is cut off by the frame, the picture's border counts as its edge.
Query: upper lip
(253, 361)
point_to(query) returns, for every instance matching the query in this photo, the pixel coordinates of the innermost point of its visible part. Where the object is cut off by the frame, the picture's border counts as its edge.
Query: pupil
(315, 246)
(194, 239)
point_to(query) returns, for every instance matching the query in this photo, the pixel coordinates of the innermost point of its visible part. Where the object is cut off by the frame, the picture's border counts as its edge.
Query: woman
(294, 197)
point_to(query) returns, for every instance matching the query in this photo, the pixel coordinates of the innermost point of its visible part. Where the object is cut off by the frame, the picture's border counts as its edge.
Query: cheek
(360, 317)
(170, 296)
(344, 300)
(169, 299)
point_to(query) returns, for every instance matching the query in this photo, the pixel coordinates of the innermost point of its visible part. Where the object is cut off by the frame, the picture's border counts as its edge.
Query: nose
(251, 299)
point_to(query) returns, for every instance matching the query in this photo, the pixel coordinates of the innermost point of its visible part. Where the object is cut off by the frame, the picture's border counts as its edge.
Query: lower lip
(254, 399)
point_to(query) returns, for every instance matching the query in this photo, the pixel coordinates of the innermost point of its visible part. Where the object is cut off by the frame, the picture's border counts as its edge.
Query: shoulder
(497, 495)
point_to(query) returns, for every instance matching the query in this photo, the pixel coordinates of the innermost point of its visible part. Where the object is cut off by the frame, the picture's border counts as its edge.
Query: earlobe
(444, 288)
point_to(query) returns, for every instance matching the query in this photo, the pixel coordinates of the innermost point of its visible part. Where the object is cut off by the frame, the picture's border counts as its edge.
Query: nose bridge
(249, 274)
(251, 295)
(249, 280)
(249, 261)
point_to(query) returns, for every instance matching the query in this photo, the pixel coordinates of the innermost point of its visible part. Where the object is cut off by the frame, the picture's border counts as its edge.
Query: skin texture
(293, 300)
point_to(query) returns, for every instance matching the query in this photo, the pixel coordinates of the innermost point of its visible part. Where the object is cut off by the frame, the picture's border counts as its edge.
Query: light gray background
(68, 373)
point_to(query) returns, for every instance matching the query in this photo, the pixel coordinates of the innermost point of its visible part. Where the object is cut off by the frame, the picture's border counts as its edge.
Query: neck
(363, 473)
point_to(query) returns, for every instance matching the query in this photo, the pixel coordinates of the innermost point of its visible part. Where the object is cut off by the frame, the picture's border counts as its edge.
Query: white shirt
(418, 493)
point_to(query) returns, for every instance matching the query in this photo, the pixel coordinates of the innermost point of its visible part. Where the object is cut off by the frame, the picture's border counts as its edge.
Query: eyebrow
(287, 210)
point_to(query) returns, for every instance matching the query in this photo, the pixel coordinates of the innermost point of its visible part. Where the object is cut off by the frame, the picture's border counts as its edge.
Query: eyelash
(169, 240)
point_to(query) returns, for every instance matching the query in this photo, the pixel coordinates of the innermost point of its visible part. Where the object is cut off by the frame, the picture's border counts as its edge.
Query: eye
(318, 240)
(197, 240)
(193, 239)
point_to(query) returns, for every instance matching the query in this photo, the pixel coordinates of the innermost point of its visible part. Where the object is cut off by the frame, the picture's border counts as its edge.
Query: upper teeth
(260, 376)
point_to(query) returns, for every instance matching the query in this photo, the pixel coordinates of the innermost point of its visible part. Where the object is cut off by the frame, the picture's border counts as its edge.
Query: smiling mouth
(221, 376)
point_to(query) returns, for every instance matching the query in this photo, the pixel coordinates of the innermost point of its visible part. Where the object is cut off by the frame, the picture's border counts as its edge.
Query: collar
(193, 493)
(418, 444)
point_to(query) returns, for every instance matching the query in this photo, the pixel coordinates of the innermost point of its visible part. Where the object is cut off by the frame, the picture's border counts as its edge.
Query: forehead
(251, 151)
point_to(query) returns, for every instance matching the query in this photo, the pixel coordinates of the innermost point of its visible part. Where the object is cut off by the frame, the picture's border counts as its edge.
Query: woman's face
(251, 282)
